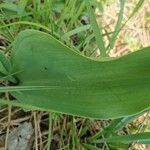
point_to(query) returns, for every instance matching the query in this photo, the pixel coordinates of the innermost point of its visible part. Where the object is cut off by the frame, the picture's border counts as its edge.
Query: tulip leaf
(83, 87)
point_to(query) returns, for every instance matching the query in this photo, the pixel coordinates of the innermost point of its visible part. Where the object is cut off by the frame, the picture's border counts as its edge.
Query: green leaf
(18, 104)
(141, 138)
(89, 88)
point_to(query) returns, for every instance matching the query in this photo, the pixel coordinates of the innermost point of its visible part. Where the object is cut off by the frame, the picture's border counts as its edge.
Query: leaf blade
(45, 61)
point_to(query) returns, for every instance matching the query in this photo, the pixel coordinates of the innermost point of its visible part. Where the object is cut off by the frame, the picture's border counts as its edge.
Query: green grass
(62, 20)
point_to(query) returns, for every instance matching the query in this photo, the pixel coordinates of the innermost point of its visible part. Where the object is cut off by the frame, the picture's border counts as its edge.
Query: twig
(36, 131)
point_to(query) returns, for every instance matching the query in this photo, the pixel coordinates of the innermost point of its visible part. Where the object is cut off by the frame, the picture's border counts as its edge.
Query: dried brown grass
(135, 34)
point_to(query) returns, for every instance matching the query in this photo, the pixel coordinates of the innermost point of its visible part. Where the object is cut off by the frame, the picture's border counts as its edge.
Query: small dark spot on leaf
(45, 68)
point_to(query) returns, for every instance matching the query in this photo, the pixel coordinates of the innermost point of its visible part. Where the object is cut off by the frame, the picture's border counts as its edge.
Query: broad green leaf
(18, 104)
(86, 87)
(142, 138)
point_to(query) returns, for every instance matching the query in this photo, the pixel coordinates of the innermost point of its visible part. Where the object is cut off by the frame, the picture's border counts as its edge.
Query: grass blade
(97, 31)
(118, 25)
(135, 10)
(141, 138)
(5, 62)
(48, 5)
(26, 23)
(76, 14)
(75, 31)
(137, 7)
(21, 6)
(50, 131)
(90, 146)
(115, 126)
(9, 6)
